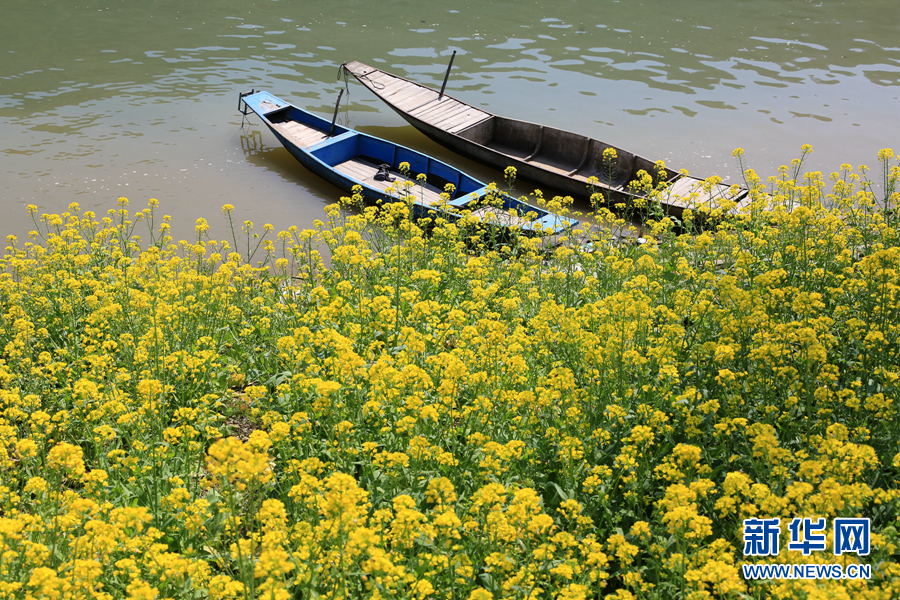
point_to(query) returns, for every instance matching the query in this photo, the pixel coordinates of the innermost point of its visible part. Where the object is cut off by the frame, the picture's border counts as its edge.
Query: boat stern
(259, 102)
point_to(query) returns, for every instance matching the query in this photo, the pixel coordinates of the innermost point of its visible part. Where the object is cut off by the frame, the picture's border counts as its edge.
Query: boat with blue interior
(347, 158)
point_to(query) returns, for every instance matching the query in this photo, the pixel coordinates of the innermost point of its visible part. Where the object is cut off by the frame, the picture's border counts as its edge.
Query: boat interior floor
(547, 163)
(300, 134)
(364, 170)
(509, 150)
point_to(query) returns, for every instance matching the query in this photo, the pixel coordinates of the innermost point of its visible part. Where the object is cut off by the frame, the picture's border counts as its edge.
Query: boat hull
(561, 160)
(348, 158)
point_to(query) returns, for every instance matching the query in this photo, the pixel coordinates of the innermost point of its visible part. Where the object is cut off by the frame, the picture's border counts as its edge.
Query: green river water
(102, 99)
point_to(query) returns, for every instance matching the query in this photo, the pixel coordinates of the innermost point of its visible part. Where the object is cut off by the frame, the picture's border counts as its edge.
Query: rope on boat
(342, 70)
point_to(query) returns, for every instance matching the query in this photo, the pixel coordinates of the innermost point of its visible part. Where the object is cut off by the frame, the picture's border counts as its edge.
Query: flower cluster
(450, 411)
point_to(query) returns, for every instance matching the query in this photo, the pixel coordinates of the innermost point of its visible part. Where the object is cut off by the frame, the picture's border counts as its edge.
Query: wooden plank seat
(300, 134)
(685, 186)
(364, 171)
(448, 113)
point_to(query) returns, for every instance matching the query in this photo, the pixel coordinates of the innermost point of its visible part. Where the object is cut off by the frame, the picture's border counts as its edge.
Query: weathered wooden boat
(346, 158)
(544, 155)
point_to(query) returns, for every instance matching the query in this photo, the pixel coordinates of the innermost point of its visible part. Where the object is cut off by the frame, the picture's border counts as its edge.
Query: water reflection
(251, 142)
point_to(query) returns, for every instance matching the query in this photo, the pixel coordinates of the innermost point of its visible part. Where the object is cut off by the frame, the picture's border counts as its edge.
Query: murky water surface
(102, 99)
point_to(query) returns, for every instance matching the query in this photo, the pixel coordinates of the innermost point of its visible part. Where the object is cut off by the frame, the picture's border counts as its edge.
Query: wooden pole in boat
(336, 106)
(447, 76)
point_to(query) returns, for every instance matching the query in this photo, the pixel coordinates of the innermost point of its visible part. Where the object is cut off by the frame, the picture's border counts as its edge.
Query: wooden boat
(544, 155)
(347, 158)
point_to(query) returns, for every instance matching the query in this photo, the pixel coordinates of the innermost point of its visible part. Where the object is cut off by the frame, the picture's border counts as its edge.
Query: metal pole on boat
(447, 76)
(334, 118)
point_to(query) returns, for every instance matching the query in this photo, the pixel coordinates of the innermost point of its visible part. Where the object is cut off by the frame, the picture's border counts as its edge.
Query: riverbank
(448, 416)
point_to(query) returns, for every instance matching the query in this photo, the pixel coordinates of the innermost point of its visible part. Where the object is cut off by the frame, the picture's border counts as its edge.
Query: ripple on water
(512, 44)
(167, 92)
(414, 52)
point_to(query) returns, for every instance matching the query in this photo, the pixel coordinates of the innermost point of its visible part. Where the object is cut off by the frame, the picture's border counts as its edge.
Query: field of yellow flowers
(444, 412)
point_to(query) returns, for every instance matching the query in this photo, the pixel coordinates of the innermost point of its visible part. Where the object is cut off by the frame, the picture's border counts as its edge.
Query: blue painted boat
(346, 158)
